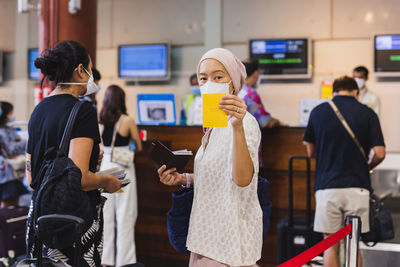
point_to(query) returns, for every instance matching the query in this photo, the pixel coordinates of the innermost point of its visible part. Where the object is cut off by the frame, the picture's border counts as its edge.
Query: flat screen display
(147, 61)
(387, 54)
(156, 109)
(33, 72)
(282, 58)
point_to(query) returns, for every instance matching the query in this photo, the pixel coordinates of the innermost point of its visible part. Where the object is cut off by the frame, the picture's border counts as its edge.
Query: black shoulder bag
(380, 219)
(60, 192)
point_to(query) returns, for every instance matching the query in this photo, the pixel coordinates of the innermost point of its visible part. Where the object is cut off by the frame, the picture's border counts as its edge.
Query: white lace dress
(226, 220)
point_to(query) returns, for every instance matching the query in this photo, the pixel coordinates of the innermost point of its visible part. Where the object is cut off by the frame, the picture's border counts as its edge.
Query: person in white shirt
(225, 226)
(360, 75)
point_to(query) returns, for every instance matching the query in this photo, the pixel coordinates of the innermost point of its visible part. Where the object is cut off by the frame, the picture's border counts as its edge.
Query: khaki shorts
(333, 205)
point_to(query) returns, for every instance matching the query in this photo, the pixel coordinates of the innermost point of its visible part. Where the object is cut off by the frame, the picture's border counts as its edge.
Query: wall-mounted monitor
(387, 55)
(144, 62)
(156, 109)
(282, 58)
(33, 72)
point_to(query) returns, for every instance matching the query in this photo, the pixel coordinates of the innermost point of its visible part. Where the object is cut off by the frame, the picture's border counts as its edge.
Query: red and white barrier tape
(317, 249)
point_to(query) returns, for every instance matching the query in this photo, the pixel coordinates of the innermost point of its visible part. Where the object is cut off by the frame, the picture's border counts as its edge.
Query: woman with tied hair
(226, 221)
(120, 210)
(69, 66)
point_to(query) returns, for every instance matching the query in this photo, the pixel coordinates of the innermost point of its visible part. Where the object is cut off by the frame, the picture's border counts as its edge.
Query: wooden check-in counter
(154, 198)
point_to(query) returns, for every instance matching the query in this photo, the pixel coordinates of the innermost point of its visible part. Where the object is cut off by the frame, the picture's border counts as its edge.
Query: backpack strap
(68, 128)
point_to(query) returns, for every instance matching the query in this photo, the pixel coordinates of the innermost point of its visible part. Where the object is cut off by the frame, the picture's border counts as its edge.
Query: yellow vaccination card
(213, 116)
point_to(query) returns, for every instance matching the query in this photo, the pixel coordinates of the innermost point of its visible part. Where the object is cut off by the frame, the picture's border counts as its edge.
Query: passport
(161, 155)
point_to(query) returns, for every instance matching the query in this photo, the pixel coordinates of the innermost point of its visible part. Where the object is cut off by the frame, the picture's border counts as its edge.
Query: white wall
(341, 30)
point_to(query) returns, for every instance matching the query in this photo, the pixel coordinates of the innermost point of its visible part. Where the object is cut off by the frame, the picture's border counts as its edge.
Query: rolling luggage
(12, 230)
(295, 234)
(39, 260)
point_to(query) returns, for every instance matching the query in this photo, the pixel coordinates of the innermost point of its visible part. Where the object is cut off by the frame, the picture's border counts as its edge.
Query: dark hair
(113, 105)
(344, 83)
(193, 76)
(59, 63)
(96, 74)
(251, 67)
(6, 108)
(362, 69)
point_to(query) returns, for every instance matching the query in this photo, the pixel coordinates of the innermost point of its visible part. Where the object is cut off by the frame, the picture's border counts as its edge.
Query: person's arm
(379, 156)
(256, 108)
(28, 169)
(242, 169)
(310, 147)
(134, 132)
(242, 164)
(80, 151)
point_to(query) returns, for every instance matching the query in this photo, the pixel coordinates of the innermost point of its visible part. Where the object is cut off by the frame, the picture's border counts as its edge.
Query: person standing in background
(360, 75)
(252, 99)
(192, 105)
(342, 180)
(11, 147)
(120, 210)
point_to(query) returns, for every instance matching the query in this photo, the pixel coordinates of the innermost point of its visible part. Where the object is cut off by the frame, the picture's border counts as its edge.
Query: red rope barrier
(317, 249)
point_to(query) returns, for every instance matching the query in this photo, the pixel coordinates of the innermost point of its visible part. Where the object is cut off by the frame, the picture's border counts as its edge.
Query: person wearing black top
(68, 65)
(342, 181)
(120, 210)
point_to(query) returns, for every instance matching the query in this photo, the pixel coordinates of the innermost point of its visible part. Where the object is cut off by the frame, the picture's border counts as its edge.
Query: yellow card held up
(213, 116)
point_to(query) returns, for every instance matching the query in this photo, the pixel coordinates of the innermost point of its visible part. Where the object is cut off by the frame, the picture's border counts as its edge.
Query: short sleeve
(309, 134)
(253, 137)
(256, 108)
(86, 124)
(375, 133)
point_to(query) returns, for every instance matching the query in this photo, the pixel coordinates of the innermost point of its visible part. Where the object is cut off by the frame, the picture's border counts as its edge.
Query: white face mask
(213, 88)
(91, 86)
(360, 82)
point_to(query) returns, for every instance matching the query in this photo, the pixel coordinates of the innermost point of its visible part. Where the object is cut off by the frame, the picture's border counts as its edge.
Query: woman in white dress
(120, 209)
(226, 221)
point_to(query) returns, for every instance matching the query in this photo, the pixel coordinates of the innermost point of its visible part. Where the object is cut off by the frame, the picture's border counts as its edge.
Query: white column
(20, 82)
(213, 27)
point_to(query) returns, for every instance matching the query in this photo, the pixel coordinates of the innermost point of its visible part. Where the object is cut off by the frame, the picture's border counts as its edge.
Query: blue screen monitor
(33, 72)
(156, 109)
(144, 61)
(387, 55)
(282, 58)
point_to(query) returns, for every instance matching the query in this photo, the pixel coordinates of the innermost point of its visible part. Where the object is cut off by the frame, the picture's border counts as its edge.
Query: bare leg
(359, 259)
(9, 202)
(331, 255)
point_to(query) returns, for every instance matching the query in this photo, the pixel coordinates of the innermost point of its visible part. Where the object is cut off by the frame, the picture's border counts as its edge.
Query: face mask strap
(90, 76)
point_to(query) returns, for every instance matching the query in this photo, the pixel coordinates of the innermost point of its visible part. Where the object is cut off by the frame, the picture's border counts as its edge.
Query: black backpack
(60, 192)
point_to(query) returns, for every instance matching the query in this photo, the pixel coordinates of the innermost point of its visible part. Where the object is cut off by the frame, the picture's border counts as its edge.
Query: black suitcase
(39, 260)
(12, 230)
(295, 234)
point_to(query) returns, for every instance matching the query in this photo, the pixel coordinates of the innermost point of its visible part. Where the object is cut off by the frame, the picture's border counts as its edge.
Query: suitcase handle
(308, 210)
(79, 222)
(79, 226)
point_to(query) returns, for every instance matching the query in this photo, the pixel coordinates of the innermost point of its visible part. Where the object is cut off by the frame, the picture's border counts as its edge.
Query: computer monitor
(156, 109)
(144, 62)
(387, 55)
(282, 58)
(33, 72)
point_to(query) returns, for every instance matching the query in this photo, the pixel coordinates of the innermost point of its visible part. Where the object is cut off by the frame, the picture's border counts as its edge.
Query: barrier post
(352, 241)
